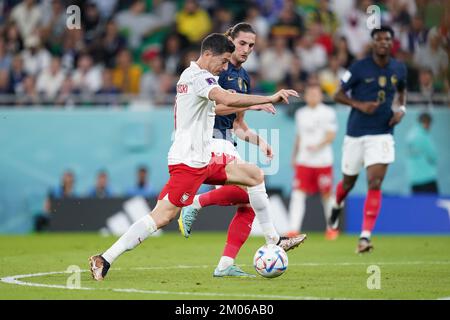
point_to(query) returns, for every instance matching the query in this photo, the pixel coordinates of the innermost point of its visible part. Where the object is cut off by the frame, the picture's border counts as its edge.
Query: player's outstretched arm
(221, 96)
(223, 110)
(368, 107)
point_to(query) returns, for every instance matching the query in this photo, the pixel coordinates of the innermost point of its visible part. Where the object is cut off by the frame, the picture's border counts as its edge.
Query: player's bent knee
(375, 183)
(348, 184)
(257, 177)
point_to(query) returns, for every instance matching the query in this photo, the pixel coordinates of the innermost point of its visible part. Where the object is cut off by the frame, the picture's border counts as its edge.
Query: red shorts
(184, 181)
(313, 180)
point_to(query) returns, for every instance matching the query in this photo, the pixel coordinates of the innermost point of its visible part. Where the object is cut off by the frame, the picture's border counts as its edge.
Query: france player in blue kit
(229, 122)
(375, 88)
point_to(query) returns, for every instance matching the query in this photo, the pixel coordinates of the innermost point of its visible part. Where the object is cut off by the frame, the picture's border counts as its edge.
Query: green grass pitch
(171, 267)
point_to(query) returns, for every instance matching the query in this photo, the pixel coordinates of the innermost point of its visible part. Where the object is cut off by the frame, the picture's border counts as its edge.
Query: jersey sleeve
(350, 77)
(203, 83)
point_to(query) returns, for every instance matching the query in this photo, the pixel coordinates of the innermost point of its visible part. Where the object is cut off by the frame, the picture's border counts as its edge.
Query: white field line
(15, 280)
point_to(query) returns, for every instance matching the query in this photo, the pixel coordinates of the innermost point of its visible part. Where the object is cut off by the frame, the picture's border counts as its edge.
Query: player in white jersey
(191, 161)
(312, 158)
(227, 128)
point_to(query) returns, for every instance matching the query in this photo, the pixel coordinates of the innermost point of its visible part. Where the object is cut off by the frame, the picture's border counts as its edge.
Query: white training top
(312, 125)
(194, 118)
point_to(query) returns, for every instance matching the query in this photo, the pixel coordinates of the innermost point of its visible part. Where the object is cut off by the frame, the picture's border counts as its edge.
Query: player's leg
(325, 184)
(179, 191)
(238, 232)
(352, 162)
(242, 173)
(160, 216)
(327, 201)
(224, 195)
(343, 188)
(300, 189)
(378, 154)
(372, 205)
(227, 195)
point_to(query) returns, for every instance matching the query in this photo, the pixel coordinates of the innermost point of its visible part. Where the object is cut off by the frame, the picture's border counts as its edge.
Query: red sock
(340, 193)
(229, 195)
(238, 231)
(372, 207)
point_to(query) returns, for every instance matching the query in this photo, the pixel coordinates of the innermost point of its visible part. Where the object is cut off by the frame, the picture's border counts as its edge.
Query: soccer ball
(270, 261)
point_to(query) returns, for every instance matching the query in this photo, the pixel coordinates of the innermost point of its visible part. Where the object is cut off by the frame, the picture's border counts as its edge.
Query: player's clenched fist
(283, 95)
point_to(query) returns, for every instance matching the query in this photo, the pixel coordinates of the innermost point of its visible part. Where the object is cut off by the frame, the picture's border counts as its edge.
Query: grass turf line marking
(14, 280)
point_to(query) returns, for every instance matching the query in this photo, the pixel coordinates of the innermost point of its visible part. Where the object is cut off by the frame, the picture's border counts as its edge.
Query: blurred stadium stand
(129, 52)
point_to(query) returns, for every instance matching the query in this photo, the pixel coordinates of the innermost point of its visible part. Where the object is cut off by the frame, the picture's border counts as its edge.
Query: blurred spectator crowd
(131, 52)
(100, 189)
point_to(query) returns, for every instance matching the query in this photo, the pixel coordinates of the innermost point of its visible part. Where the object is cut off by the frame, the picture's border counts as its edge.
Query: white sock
(225, 262)
(327, 204)
(136, 234)
(297, 210)
(365, 234)
(260, 204)
(196, 204)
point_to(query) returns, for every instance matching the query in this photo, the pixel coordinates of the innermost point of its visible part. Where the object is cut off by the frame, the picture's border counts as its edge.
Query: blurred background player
(374, 82)
(234, 79)
(422, 157)
(190, 160)
(312, 158)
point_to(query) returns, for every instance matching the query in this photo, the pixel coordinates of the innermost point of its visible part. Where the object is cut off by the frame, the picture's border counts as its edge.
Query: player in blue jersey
(375, 88)
(228, 124)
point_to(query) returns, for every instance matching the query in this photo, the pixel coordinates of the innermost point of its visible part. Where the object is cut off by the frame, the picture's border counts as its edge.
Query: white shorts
(224, 146)
(366, 151)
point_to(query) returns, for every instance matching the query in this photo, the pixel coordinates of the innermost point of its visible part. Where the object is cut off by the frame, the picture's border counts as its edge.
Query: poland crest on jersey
(184, 197)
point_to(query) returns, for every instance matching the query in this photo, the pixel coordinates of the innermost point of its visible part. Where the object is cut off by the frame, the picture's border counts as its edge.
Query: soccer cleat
(232, 271)
(187, 217)
(364, 245)
(331, 234)
(336, 211)
(288, 243)
(99, 267)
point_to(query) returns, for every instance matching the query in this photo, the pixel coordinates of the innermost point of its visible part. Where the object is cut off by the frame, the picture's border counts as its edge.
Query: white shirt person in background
(312, 158)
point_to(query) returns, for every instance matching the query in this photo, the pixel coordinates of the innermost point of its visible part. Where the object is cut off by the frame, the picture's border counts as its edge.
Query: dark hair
(240, 27)
(217, 43)
(102, 172)
(425, 117)
(382, 29)
(142, 167)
